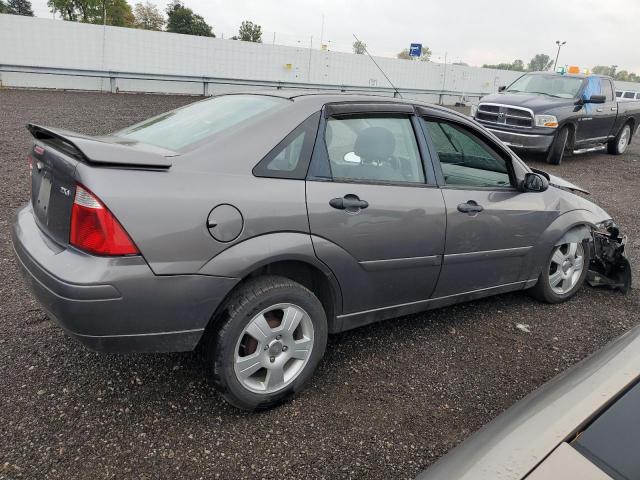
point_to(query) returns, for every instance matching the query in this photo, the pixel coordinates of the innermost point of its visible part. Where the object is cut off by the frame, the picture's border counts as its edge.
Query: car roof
(320, 98)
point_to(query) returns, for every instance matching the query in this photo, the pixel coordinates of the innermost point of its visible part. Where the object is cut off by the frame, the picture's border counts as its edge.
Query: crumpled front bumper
(609, 265)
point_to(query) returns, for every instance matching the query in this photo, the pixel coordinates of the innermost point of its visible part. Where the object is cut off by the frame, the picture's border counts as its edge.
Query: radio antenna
(376, 64)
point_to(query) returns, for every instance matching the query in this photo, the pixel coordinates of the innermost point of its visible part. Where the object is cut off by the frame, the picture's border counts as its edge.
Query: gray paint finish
(409, 250)
(516, 442)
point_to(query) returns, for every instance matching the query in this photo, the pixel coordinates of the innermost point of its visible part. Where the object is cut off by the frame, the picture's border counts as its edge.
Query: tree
(540, 62)
(3, 7)
(148, 16)
(425, 57)
(516, 66)
(359, 47)
(119, 13)
(182, 20)
(19, 7)
(250, 32)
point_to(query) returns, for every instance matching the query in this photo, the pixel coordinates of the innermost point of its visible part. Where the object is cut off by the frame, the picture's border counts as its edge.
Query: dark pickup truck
(558, 113)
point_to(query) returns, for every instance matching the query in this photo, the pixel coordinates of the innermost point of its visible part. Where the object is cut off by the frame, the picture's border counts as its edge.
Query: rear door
(376, 215)
(491, 225)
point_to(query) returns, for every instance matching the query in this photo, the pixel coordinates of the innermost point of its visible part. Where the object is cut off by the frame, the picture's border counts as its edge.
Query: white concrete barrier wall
(39, 42)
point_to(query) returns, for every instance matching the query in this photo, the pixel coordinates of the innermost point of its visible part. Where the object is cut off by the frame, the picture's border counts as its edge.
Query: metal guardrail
(114, 76)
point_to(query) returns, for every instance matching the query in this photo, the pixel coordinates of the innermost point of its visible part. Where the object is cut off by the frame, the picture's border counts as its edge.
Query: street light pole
(560, 44)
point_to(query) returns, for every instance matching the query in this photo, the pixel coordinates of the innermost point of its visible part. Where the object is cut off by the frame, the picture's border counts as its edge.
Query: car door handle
(470, 207)
(598, 109)
(613, 109)
(348, 202)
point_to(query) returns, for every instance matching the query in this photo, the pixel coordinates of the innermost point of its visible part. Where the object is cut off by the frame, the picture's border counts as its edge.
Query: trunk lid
(54, 158)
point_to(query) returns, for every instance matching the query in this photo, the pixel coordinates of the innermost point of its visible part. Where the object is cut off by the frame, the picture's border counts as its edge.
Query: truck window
(629, 95)
(618, 94)
(607, 89)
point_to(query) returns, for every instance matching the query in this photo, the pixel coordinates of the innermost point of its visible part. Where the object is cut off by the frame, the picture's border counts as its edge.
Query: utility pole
(560, 44)
(322, 32)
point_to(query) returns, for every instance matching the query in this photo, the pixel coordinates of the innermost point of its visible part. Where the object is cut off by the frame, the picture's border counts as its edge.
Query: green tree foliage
(540, 63)
(19, 7)
(425, 57)
(182, 20)
(3, 7)
(516, 66)
(611, 71)
(604, 70)
(118, 12)
(359, 47)
(250, 32)
(148, 16)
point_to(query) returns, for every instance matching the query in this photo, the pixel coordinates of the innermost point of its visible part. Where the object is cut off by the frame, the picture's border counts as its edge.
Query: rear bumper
(524, 141)
(115, 304)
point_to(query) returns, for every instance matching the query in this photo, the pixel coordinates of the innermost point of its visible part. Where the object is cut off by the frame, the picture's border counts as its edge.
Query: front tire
(564, 272)
(619, 145)
(269, 340)
(557, 150)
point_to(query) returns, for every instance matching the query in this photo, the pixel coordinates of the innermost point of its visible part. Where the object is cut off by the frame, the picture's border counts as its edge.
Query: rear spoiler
(107, 151)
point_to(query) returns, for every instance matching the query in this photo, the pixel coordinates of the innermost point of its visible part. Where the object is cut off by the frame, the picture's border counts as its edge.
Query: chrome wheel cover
(273, 348)
(565, 269)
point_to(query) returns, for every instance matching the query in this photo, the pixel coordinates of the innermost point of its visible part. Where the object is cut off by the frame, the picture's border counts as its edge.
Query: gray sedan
(251, 226)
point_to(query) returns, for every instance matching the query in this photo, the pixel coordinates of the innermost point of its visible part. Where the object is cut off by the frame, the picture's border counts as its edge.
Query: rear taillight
(94, 229)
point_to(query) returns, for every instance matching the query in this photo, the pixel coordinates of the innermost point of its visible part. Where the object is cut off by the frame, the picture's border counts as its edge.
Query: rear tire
(269, 340)
(558, 146)
(560, 279)
(619, 144)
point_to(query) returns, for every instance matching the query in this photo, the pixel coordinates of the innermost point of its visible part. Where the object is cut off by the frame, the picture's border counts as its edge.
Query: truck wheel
(270, 339)
(564, 273)
(558, 147)
(619, 145)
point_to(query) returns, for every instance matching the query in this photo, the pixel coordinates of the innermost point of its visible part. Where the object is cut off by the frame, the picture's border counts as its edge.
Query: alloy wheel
(624, 139)
(274, 348)
(565, 269)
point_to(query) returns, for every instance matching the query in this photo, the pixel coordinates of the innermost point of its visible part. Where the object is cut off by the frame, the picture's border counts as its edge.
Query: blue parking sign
(415, 50)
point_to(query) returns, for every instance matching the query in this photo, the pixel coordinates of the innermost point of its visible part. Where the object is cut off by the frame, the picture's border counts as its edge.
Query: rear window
(629, 95)
(185, 126)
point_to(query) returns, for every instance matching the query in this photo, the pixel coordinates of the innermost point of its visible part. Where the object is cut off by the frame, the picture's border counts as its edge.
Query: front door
(491, 226)
(375, 218)
(597, 119)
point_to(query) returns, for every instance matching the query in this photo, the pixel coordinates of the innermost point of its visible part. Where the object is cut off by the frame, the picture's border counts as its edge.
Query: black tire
(615, 146)
(558, 147)
(219, 345)
(542, 290)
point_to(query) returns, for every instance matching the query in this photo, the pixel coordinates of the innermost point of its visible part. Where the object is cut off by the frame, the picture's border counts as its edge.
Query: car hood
(565, 185)
(537, 102)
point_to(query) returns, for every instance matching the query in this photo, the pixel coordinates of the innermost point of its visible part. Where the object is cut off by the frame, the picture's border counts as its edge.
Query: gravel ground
(387, 401)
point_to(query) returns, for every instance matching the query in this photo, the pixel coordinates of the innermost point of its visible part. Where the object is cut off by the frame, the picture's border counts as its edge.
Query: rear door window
(185, 126)
(629, 95)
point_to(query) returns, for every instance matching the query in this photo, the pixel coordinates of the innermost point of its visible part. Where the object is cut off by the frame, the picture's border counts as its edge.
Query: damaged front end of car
(609, 266)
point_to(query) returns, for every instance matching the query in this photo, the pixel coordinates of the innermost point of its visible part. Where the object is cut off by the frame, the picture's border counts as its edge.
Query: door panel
(491, 226)
(489, 248)
(388, 253)
(597, 119)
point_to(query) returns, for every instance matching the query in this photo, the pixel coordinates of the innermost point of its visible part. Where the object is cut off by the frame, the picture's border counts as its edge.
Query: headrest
(375, 143)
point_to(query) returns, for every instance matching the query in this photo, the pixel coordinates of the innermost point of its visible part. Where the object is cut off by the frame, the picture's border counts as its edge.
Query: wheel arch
(286, 254)
(569, 226)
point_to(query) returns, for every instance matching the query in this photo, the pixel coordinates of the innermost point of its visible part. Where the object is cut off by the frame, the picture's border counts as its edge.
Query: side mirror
(502, 88)
(534, 182)
(596, 99)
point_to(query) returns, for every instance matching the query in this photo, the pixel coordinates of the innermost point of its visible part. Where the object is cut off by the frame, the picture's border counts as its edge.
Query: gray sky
(473, 31)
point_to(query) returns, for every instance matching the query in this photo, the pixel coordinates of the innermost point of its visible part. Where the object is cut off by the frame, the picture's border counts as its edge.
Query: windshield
(553, 85)
(185, 126)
